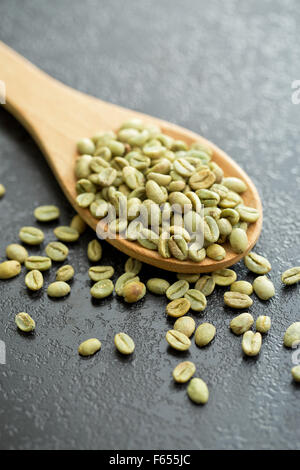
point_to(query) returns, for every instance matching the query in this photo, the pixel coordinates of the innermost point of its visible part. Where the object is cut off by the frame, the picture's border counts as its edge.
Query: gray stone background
(223, 69)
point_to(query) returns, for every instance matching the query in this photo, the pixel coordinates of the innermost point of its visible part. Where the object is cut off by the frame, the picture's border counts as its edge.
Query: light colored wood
(57, 116)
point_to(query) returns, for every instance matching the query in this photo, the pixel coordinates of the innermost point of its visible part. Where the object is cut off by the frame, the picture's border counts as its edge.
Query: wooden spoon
(57, 117)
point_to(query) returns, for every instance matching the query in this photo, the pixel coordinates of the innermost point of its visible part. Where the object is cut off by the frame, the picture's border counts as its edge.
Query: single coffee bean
(178, 340)
(185, 325)
(257, 263)
(188, 277)
(242, 323)
(206, 285)
(94, 251)
(263, 324)
(124, 343)
(9, 269)
(247, 214)
(196, 254)
(86, 146)
(122, 280)
(102, 289)
(157, 286)
(205, 333)
(41, 263)
(46, 213)
(31, 235)
(224, 277)
(24, 322)
(184, 371)
(296, 373)
(291, 276)
(65, 273)
(238, 240)
(237, 300)
(34, 280)
(16, 252)
(178, 247)
(263, 287)
(66, 234)
(178, 307)
(89, 347)
(97, 273)
(133, 291)
(177, 290)
(58, 289)
(133, 266)
(251, 343)
(57, 251)
(292, 335)
(215, 252)
(197, 299)
(78, 224)
(235, 184)
(243, 287)
(197, 391)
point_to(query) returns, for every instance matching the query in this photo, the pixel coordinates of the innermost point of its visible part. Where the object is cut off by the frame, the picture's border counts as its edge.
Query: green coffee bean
(215, 252)
(65, 273)
(292, 335)
(184, 371)
(9, 269)
(94, 251)
(85, 199)
(178, 340)
(24, 322)
(82, 166)
(291, 276)
(102, 289)
(185, 325)
(202, 179)
(34, 280)
(66, 234)
(163, 246)
(31, 235)
(89, 347)
(97, 273)
(157, 286)
(238, 240)
(197, 299)
(251, 343)
(205, 333)
(248, 214)
(122, 280)
(263, 288)
(208, 198)
(57, 251)
(243, 287)
(41, 263)
(231, 200)
(196, 254)
(225, 227)
(124, 344)
(206, 285)
(178, 247)
(235, 184)
(188, 277)
(197, 391)
(177, 290)
(211, 230)
(46, 213)
(133, 266)
(257, 263)
(231, 215)
(133, 291)
(86, 146)
(58, 289)
(224, 277)
(237, 300)
(178, 307)
(242, 323)
(16, 252)
(2, 190)
(296, 373)
(263, 324)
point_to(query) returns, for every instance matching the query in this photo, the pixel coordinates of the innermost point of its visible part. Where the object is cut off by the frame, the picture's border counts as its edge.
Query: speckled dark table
(223, 69)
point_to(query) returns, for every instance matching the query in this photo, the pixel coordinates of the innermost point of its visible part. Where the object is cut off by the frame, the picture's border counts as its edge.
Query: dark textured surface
(223, 69)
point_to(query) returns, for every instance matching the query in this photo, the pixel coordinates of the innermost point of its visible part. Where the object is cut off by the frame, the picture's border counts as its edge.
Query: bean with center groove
(124, 344)
(178, 340)
(184, 371)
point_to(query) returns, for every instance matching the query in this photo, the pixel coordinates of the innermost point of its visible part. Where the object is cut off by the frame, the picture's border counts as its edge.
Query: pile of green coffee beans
(189, 293)
(157, 191)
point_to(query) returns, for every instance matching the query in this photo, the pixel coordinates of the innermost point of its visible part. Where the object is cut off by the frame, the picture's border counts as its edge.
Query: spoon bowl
(57, 116)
